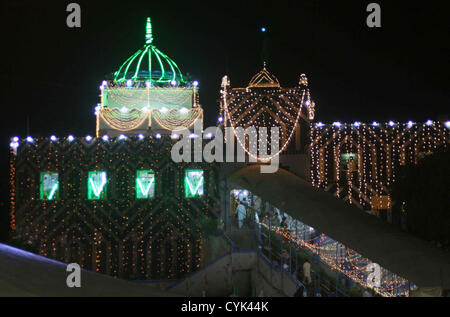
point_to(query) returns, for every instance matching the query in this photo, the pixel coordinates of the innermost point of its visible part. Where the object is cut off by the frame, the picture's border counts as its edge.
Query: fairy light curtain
(119, 208)
(264, 103)
(342, 259)
(358, 162)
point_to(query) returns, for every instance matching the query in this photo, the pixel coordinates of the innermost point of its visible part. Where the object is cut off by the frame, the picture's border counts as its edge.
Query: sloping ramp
(395, 250)
(26, 274)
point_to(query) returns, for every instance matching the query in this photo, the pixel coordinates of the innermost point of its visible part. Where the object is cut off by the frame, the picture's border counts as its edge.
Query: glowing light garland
(264, 79)
(96, 234)
(380, 150)
(131, 119)
(256, 157)
(264, 104)
(334, 254)
(137, 97)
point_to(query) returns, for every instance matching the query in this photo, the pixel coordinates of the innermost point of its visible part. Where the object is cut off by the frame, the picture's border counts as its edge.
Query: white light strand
(227, 115)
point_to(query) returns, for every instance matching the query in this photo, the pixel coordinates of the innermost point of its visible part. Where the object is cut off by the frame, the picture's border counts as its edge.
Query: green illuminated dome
(149, 64)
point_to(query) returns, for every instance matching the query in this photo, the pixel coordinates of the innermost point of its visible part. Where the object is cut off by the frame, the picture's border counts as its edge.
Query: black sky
(51, 73)
(398, 72)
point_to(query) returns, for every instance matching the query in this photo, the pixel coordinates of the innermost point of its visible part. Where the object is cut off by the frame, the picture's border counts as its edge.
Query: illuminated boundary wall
(358, 162)
(119, 207)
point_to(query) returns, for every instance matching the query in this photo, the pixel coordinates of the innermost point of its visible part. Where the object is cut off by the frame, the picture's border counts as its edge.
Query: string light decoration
(379, 149)
(173, 119)
(264, 103)
(12, 187)
(123, 122)
(127, 231)
(347, 262)
(336, 255)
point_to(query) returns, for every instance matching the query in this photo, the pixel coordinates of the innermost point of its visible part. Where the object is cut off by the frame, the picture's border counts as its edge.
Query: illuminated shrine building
(148, 94)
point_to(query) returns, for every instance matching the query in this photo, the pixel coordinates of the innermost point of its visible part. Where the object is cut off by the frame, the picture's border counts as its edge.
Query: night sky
(51, 73)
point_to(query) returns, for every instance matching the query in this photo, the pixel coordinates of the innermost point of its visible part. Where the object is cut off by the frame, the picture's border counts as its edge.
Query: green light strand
(179, 71)
(98, 190)
(129, 64)
(118, 72)
(148, 32)
(168, 62)
(163, 72)
(150, 65)
(139, 63)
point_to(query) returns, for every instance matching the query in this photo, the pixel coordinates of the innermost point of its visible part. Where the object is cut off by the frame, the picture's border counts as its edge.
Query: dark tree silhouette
(422, 192)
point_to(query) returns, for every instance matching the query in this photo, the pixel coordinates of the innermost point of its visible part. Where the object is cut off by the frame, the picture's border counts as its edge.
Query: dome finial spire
(148, 32)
